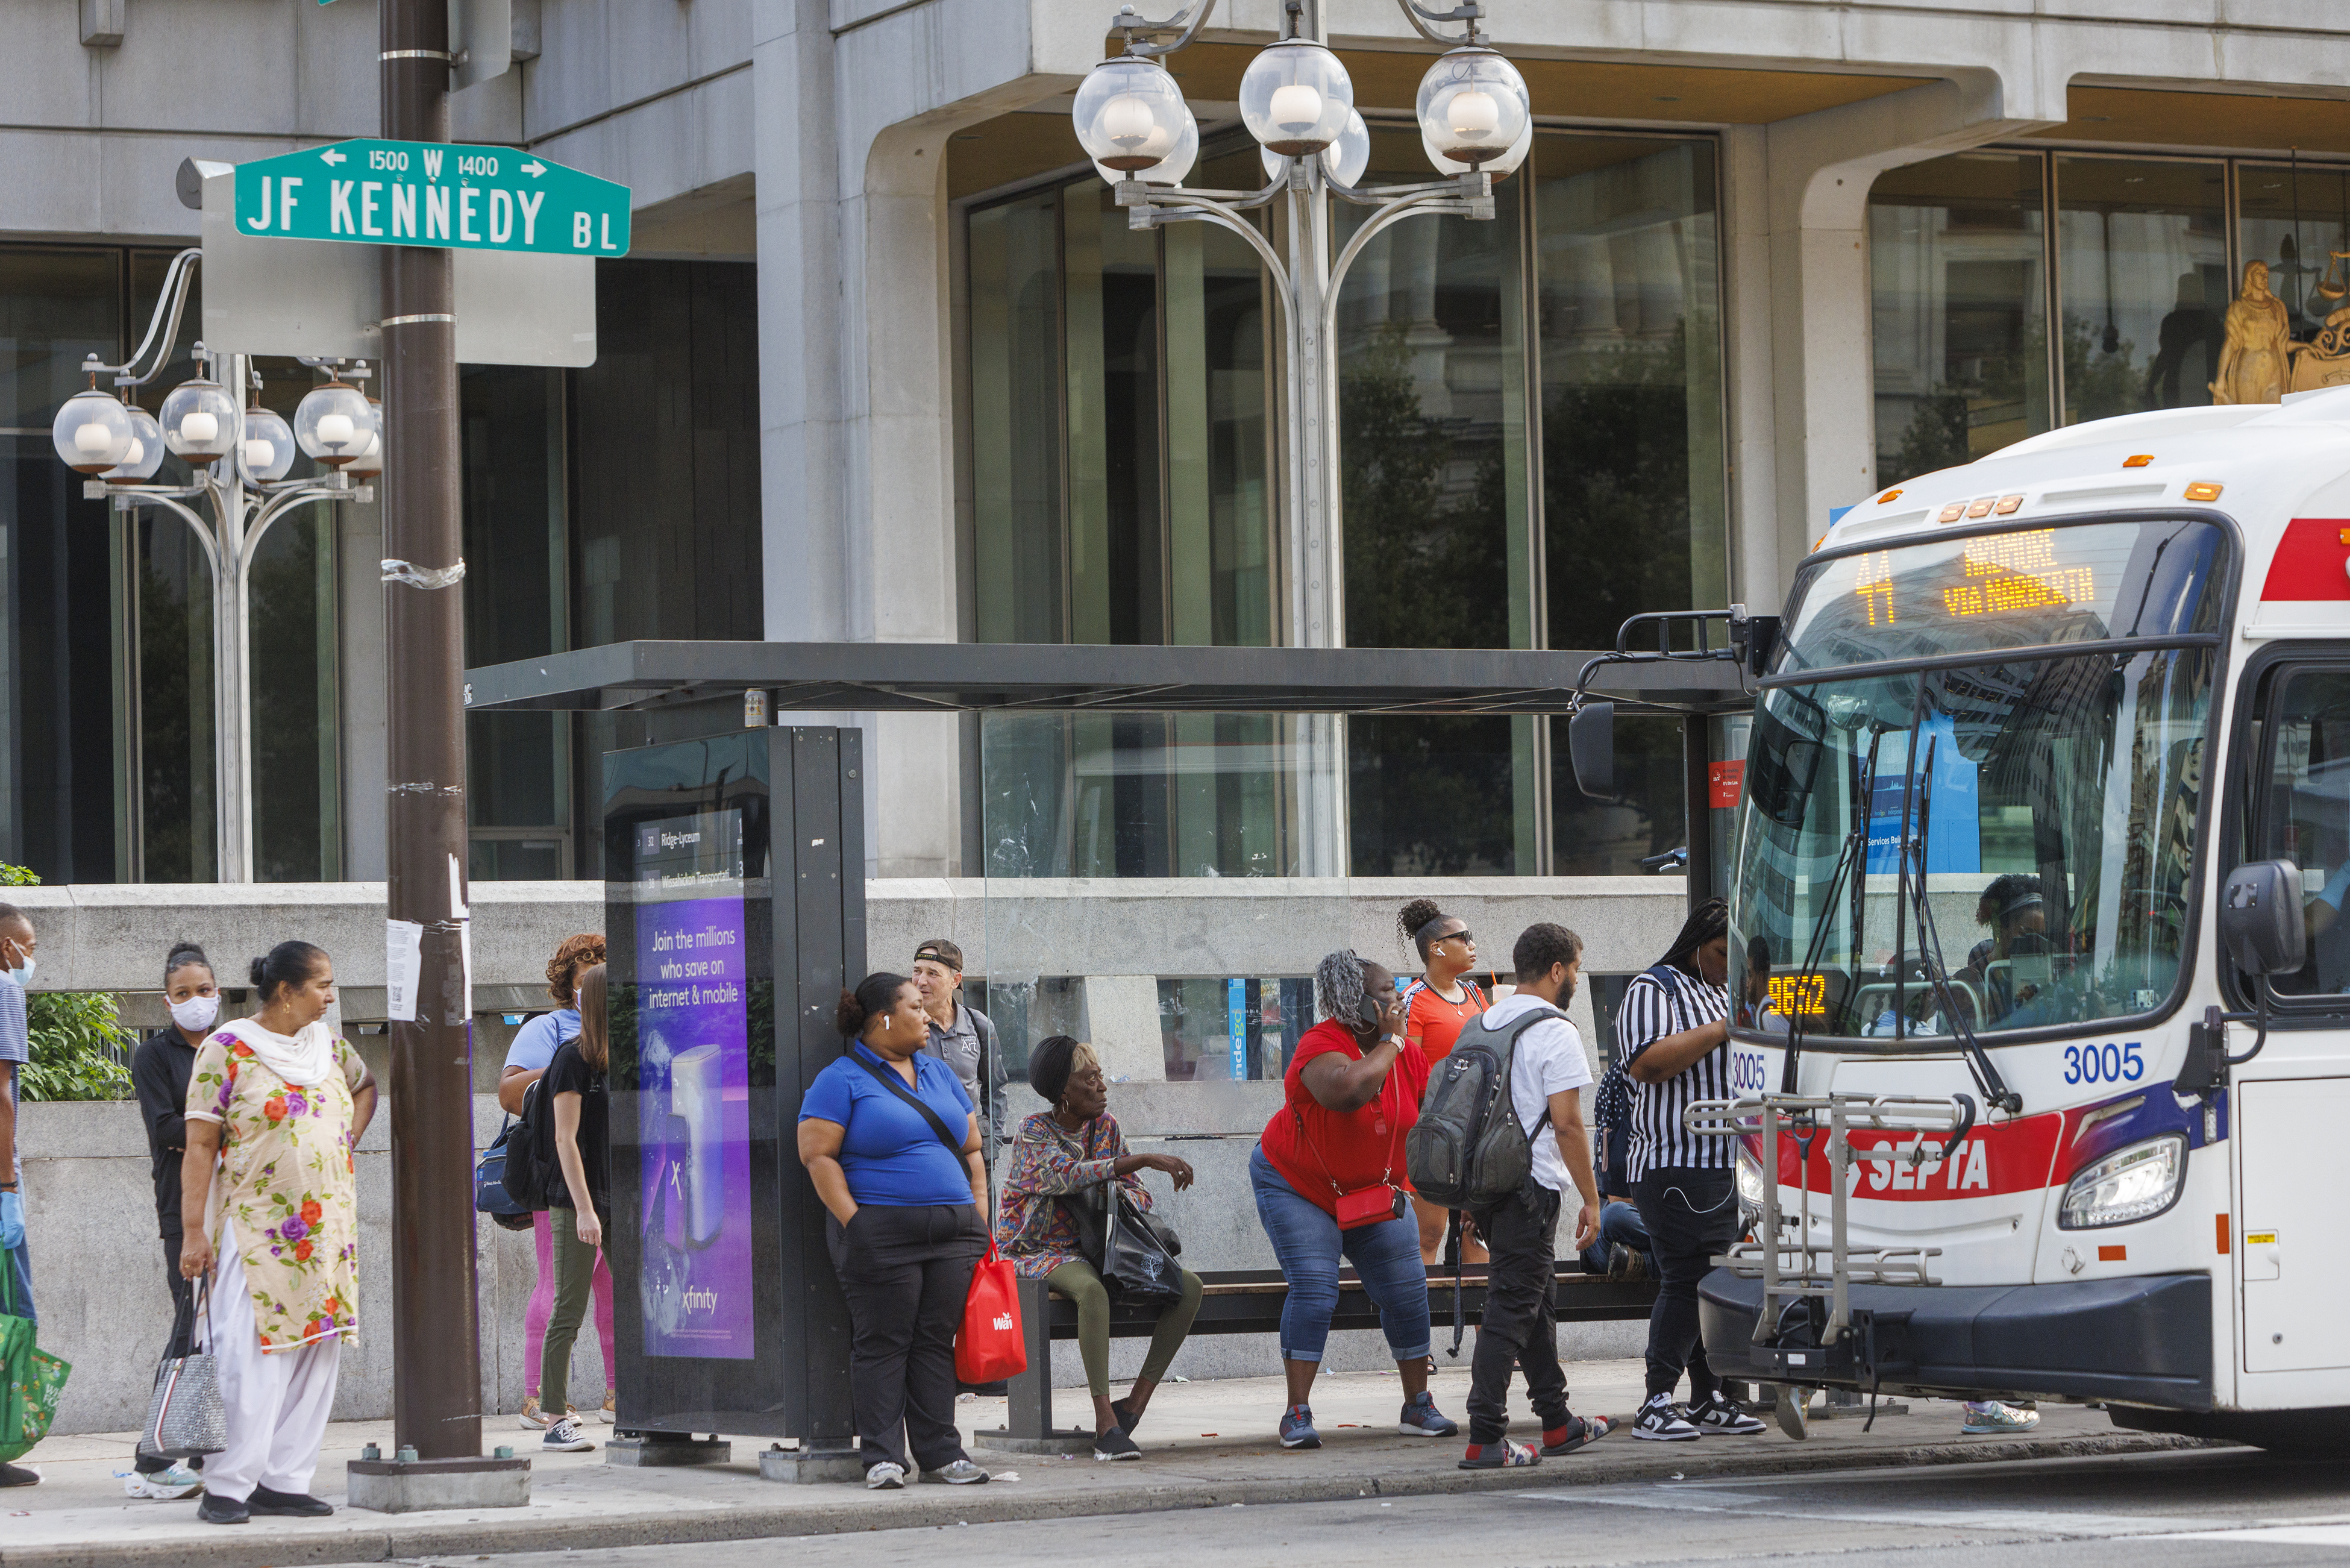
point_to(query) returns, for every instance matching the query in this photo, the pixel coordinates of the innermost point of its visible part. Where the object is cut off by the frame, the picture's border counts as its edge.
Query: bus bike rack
(1826, 1338)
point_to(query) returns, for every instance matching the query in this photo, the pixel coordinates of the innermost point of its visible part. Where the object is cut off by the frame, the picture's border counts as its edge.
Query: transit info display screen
(693, 1085)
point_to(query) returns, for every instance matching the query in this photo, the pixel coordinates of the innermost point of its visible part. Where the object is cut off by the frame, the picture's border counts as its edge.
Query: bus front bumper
(2143, 1341)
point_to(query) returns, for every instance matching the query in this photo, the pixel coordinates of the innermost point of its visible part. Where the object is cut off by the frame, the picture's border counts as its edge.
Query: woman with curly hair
(1435, 1008)
(527, 1060)
(1328, 1176)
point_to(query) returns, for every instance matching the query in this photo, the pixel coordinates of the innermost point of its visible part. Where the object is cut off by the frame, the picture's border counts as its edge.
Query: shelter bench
(1249, 1301)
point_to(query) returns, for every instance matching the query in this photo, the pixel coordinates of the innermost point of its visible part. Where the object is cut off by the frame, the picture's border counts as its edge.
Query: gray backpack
(1467, 1150)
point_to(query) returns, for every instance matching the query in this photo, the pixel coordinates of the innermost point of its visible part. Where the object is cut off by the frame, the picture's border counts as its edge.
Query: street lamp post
(1476, 126)
(239, 452)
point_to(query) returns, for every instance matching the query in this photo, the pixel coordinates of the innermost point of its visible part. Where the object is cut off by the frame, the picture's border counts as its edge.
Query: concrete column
(1817, 170)
(1122, 1025)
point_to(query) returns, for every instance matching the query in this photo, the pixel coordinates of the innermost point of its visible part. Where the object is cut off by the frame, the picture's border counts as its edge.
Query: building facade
(888, 363)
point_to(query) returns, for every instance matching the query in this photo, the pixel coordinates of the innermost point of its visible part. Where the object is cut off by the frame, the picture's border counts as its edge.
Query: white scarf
(305, 1060)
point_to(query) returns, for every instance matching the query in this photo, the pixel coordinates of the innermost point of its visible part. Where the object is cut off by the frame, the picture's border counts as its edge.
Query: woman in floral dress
(1060, 1154)
(275, 1107)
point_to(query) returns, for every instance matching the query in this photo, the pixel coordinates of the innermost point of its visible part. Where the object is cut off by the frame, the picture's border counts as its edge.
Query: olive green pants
(575, 1280)
(1078, 1282)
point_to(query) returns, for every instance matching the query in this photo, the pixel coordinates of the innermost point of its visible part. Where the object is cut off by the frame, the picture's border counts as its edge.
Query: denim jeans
(1620, 1225)
(1307, 1243)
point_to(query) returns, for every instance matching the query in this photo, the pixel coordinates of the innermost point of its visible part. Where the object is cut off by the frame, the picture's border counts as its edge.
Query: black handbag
(1136, 1264)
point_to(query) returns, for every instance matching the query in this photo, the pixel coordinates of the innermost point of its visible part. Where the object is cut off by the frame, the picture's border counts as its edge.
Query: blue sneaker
(1297, 1428)
(1421, 1418)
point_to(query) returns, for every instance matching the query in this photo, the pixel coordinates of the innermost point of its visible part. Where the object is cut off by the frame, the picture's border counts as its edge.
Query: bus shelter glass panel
(1151, 888)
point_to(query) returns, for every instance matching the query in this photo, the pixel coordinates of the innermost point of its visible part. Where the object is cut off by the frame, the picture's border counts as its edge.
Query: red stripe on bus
(2013, 1157)
(2312, 561)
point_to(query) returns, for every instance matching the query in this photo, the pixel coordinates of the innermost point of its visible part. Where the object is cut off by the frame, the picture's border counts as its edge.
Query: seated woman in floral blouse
(1060, 1153)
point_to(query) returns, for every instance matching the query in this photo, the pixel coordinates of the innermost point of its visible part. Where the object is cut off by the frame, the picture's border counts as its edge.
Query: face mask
(196, 1012)
(23, 973)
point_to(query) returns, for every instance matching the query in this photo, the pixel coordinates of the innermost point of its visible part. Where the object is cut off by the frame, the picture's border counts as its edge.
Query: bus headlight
(1750, 1187)
(2134, 1183)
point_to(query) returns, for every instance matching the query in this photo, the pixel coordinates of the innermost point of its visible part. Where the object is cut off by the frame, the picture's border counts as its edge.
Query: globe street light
(118, 446)
(1298, 103)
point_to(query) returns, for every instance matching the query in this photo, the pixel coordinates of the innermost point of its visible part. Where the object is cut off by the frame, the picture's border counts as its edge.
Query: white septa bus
(2073, 686)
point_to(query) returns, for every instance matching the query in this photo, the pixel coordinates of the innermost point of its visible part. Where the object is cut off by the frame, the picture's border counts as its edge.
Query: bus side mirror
(1591, 749)
(2261, 920)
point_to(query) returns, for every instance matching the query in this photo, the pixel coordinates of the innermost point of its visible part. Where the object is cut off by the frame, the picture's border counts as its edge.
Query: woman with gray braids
(1328, 1176)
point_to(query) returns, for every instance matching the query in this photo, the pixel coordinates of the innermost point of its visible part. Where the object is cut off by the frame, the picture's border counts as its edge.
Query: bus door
(2293, 1106)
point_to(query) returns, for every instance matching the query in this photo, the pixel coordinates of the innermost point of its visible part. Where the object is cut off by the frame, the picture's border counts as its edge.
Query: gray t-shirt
(965, 1048)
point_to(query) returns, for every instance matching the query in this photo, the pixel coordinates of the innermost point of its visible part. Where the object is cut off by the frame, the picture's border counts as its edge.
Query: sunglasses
(1453, 936)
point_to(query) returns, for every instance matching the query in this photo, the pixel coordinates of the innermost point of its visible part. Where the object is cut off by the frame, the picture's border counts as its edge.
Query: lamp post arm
(194, 519)
(1135, 28)
(1386, 218)
(1469, 11)
(277, 506)
(174, 300)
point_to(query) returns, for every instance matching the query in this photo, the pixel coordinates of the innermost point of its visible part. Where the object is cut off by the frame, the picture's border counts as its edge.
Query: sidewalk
(1206, 1445)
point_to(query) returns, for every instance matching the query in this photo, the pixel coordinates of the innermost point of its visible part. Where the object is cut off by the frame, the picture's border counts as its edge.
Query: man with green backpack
(1501, 1137)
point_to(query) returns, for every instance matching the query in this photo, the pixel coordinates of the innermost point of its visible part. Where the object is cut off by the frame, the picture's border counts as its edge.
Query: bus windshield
(1994, 834)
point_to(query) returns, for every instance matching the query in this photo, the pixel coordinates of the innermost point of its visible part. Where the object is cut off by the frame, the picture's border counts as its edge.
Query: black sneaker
(292, 1504)
(18, 1475)
(1127, 1420)
(1718, 1414)
(216, 1510)
(1624, 1266)
(1660, 1421)
(1115, 1444)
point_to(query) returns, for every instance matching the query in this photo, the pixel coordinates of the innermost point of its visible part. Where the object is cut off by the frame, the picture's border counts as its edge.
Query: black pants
(184, 1332)
(1520, 1327)
(906, 1273)
(1691, 1216)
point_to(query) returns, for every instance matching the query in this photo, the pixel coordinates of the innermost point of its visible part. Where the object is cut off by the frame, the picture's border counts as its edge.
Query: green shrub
(79, 1047)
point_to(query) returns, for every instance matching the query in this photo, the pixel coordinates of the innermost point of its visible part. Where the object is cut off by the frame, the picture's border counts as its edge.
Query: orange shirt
(1433, 1023)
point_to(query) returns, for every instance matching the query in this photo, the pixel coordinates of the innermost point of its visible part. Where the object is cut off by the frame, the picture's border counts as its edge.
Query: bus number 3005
(2107, 1063)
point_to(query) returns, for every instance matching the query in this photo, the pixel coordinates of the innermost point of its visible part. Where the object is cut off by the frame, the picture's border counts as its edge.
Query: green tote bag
(32, 1381)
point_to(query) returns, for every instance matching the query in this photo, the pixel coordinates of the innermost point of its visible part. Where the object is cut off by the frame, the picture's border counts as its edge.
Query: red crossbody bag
(1383, 1200)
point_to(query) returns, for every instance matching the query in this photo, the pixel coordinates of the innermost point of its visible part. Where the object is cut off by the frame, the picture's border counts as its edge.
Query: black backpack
(1467, 1150)
(531, 1172)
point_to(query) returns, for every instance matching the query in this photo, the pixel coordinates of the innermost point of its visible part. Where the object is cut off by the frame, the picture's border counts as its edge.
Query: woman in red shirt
(1435, 1008)
(1328, 1176)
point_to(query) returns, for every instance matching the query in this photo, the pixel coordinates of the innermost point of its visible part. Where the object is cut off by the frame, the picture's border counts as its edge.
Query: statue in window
(2256, 350)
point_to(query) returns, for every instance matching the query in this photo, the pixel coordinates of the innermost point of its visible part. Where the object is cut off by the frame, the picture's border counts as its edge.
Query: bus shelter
(734, 850)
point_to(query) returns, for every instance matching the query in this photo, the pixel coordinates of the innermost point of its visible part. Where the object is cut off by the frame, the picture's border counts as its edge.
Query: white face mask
(196, 1012)
(23, 973)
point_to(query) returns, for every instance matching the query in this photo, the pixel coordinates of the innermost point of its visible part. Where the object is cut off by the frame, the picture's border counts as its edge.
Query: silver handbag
(186, 1416)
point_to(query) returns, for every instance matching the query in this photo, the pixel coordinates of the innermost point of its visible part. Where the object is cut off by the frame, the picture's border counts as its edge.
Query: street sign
(372, 192)
(264, 297)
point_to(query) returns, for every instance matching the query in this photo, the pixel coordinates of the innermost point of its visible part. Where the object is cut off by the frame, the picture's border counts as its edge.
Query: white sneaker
(1660, 1421)
(1990, 1418)
(607, 1411)
(1718, 1414)
(165, 1485)
(563, 1437)
(886, 1477)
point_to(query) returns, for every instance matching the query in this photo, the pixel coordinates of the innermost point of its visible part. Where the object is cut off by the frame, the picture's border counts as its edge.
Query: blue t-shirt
(535, 1042)
(891, 1155)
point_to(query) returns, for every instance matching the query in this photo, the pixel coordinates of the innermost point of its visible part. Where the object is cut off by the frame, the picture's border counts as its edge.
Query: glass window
(2142, 266)
(2295, 220)
(2306, 818)
(1015, 418)
(1959, 310)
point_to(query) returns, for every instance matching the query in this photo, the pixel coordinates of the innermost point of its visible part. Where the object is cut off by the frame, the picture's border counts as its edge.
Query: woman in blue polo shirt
(889, 1140)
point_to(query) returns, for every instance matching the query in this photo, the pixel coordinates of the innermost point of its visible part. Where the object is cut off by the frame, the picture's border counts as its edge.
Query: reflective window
(2295, 220)
(2307, 818)
(2142, 266)
(1958, 309)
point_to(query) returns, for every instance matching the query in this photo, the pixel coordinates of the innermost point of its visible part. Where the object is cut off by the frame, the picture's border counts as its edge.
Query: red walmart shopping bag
(991, 1345)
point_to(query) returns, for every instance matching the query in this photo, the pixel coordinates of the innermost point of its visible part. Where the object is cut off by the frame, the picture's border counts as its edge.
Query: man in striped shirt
(1672, 1034)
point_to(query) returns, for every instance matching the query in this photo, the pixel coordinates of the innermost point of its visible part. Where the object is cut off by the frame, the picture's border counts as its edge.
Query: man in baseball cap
(961, 1035)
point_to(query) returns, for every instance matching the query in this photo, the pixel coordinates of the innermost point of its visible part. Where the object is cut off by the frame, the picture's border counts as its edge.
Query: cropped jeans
(1308, 1243)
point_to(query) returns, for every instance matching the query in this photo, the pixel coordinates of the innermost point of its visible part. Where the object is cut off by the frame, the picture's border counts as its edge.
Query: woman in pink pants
(534, 1048)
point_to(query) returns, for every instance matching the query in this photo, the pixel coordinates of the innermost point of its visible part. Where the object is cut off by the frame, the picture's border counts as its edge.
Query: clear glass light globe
(1344, 160)
(1472, 105)
(92, 432)
(1130, 114)
(199, 420)
(369, 461)
(1499, 168)
(146, 454)
(268, 446)
(333, 423)
(1296, 97)
(1171, 170)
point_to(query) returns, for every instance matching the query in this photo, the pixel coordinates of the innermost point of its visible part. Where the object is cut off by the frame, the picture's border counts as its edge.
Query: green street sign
(373, 192)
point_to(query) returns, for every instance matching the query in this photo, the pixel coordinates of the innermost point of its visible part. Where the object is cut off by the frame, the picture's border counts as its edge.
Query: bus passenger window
(2307, 817)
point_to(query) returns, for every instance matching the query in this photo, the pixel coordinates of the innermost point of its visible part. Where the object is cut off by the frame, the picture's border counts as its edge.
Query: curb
(931, 1508)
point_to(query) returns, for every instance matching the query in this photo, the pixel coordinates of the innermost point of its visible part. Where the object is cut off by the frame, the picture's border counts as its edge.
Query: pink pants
(542, 1307)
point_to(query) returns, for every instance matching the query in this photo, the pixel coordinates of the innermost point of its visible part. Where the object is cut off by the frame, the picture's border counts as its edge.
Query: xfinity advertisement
(693, 1104)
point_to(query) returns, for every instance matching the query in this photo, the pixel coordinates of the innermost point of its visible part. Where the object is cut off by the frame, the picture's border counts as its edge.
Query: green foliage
(79, 1046)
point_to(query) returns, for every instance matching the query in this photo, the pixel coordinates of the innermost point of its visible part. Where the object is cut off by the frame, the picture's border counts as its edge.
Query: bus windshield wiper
(1851, 858)
(1912, 892)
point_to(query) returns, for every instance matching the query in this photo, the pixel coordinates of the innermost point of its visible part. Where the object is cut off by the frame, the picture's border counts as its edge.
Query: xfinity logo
(701, 1301)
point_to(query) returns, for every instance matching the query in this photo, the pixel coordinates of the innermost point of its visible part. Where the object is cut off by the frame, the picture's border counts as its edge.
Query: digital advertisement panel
(693, 1100)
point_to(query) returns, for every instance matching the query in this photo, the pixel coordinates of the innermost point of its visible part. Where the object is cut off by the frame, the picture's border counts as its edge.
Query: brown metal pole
(435, 1344)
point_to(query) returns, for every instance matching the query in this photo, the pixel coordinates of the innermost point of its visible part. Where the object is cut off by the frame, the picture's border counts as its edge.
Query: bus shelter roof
(981, 676)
